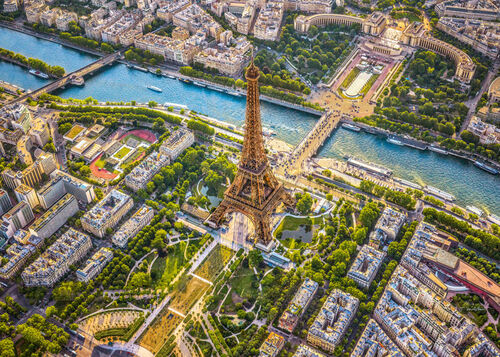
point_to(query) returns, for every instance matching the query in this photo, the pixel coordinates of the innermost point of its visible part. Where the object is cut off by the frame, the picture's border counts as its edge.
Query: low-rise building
(54, 218)
(56, 260)
(272, 345)
(177, 142)
(129, 229)
(144, 172)
(366, 266)
(333, 320)
(107, 213)
(481, 9)
(94, 265)
(298, 305)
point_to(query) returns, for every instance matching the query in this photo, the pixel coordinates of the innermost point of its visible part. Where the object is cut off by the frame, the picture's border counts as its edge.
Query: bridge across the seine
(68, 78)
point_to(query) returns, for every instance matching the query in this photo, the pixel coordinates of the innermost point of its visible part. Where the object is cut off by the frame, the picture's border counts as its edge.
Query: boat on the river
(169, 76)
(395, 141)
(142, 69)
(155, 89)
(216, 89)
(199, 84)
(439, 193)
(437, 149)
(351, 127)
(38, 74)
(485, 167)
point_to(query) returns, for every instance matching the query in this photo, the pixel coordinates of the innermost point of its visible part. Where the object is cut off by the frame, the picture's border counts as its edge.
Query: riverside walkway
(70, 77)
(310, 144)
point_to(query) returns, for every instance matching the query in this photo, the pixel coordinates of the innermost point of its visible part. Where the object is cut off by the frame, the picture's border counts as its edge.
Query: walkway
(137, 263)
(150, 319)
(129, 347)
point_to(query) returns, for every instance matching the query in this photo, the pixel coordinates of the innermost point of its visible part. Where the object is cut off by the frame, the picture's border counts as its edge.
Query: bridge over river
(310, 144)
(73, 77)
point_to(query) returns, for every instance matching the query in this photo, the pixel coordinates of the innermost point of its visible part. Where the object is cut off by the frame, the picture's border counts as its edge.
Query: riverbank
(422, 145)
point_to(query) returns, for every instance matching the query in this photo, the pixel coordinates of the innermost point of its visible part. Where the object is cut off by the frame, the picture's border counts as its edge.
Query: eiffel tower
(255, 191)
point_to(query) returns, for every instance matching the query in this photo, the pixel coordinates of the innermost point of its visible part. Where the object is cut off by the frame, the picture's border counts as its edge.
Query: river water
(468, 183)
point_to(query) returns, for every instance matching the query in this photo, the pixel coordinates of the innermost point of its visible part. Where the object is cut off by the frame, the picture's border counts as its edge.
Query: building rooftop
(106, 208)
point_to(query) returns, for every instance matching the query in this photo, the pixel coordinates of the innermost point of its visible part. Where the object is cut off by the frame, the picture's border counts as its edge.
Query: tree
(50, 147)
(304, 204)
(7, 348)
(159, 239)
(255, 258)
(85, 171)
(51, 310)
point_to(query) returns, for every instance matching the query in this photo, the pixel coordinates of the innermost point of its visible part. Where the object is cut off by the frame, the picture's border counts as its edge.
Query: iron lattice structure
(255, 191)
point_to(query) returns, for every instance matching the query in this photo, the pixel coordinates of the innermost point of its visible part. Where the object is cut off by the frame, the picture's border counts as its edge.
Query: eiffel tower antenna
(255, 191)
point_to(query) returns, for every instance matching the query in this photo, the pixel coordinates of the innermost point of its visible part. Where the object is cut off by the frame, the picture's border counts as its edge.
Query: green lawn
(292, 243)
(166, 268)
(293, 223)
(122, 153)
(100, 163)
(350, 78)
(134, 156)
(242, 282)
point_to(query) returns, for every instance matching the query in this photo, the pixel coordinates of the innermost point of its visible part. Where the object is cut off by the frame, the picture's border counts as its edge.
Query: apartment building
(268, 24)
(176, 143)
(306, 351)
(54, 263)
(62, 183)
(144, 172)
(272, 345)
(16, 255)
(333, 320)
(112, 33)
(55, 217)
(167, 9)
(227, 60)
(94, 265)
(62, 21)
(11, 5)
(175, 50)
(39, 132)
(480, 9)
(375, 342)
(387, 227)
(365, 266)
(298, 305)
(32, 175)
(140, 219)
(107, 213)
(194, 18)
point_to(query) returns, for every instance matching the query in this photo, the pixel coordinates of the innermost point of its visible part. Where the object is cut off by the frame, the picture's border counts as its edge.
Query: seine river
(469, 184)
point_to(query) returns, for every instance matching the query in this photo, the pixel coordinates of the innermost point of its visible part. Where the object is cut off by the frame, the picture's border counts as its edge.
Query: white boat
(156, 89)
(170, 76)
(438, 150)
(485, 167)
(175, 105)
(199, 84)
(268, 132)
(394, 141)
(140, 68)
(38, 74)
(475, 210)
(351, 127)
(439, 193)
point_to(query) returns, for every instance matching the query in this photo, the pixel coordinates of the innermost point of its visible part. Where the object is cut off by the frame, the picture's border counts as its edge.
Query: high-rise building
(18, 217)
(28, 194)
(61, 184)
(5, 202)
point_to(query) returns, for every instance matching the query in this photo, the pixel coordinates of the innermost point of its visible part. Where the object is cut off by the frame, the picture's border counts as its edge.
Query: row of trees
(484, 242)
(400, 198)
(34, 63)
